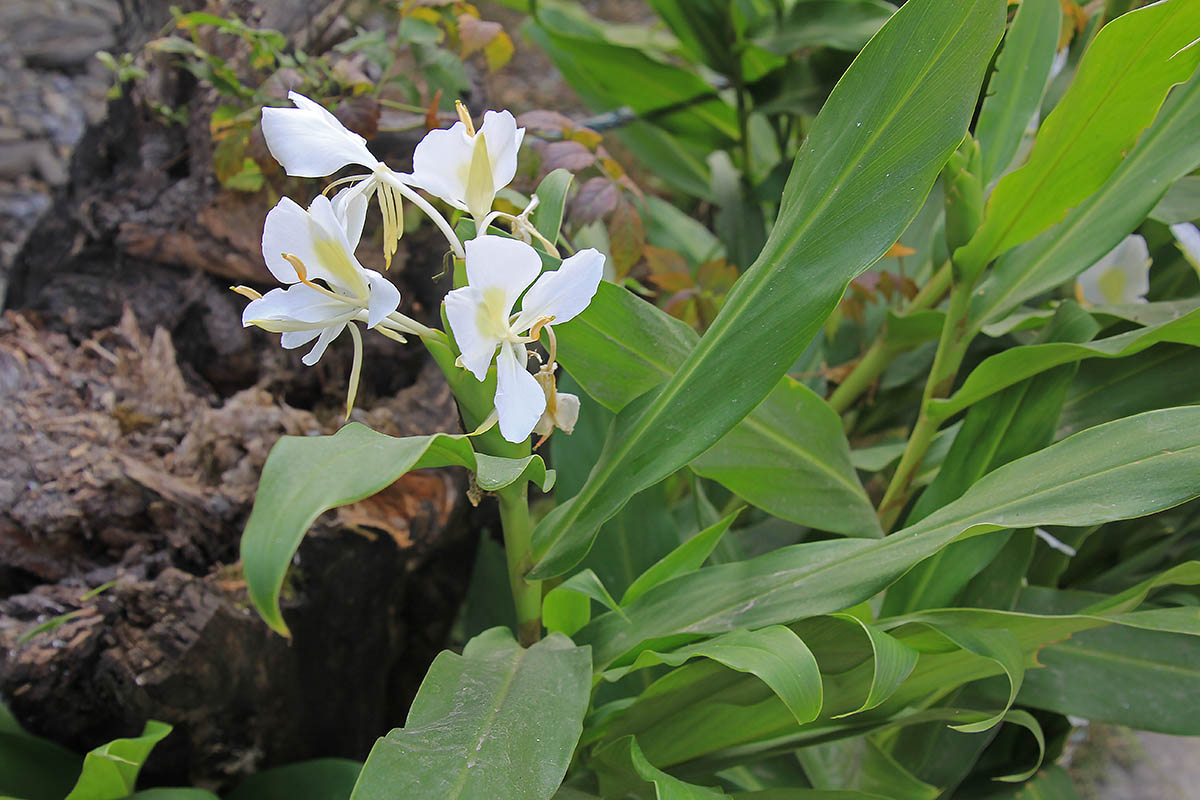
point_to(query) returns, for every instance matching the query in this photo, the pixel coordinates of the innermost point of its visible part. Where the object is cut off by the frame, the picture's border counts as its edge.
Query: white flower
(481, 317)
(310, 142)
(1121, 276)
(562, 408)
(1188, 238)
(301, 247)
(466, 167)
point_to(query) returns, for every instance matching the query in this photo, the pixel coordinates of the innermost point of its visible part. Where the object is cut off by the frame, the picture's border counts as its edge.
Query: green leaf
(1051, 783)
(842, 24)
(892, 662)
(1167, 375)
(790, 458)
(860, 764)
(110, 771)
(1128, 468)
(1166, 151)
(1015, 89)
(775, 655)
(307, 475)
(622, 769)
(1012, 365)
(1125, 676)
(319, 779)
(499, 721)
(1181, 203)
(563, 613)
(1122, 80)
(621, 346)
(33, 768)
(996, 645)
(872, 155)
(180, 793)
(688, 557)
(552, 199)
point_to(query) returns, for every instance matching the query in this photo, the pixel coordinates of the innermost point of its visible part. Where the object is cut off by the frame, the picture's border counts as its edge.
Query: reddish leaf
(568, 155)
(596, 197)
(626, 237)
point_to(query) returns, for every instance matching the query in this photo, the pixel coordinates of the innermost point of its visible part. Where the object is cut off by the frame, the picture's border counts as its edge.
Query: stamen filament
(355, 369)
(405, 191)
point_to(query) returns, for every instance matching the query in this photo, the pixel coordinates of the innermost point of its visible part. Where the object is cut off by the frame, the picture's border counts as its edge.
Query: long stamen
(302, 274)
(342, 181)
(246, 291)
(355, 369)
(553, 355)
(429, 211)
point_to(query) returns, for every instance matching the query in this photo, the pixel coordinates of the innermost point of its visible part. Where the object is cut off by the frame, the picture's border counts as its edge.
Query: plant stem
(527, 595)
(952, 346)
(879, 355)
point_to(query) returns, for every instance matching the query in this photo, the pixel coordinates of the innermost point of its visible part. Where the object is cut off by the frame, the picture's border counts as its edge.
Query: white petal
(566, 412)
(564, 293)
(385, 297)
(503, 140)
(1189, 241)
(466, 311)
(298, 307)
(287, 231)
(327, 336)
(350, 206)
(519, 399)
(442, 162)
(497, 263)
(1121, 276)
(335, 261)
(293, 339)
(310, 142)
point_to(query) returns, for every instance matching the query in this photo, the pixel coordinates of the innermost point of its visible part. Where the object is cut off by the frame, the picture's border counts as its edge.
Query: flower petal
(503, 141)
(295, 308)
(1188, 237)
(497, 263)
(384, 299)
(519, 399)
(310, 142)
(564, 293)
(1121, 276)
(327, 336)
(286, 230)
(566, 412)
(466, 312)
(350, 206)
(442, 163)
(335, 261)
(293, 339)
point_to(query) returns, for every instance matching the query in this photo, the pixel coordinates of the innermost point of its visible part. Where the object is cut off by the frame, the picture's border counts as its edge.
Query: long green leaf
(1015, 90)
(873, 153)
(1166, 151)
(1120, 84)
(110, 771)
(499, 721)
(623, 768)
(1128, 468)
(1017, 363)
(788, 457)
(892, 661)
(306, 476)
(686, 558)
(774, 654)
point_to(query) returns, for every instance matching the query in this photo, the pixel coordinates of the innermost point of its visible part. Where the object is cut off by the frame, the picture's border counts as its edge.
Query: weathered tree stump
(135, 415)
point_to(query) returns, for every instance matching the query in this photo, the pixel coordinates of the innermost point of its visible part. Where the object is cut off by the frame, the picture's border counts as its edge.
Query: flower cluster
(328, 291)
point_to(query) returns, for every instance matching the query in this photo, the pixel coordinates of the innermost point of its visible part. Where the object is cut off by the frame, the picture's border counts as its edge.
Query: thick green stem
(880, 354)
(952, 346)
(527, 595)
